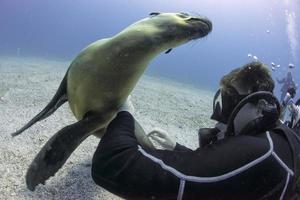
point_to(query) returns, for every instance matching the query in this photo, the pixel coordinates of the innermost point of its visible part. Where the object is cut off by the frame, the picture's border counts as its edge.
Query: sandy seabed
(28, 84)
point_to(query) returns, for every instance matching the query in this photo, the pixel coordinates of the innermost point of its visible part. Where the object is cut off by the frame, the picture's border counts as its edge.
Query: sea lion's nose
(208, 23)
(204, 20)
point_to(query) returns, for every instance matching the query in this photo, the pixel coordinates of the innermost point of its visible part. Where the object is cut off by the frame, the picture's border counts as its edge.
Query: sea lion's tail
(59, 98)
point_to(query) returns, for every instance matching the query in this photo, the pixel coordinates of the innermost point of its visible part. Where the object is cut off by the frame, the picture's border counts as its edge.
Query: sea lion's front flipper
(58, 149)
(139, 132)
(141, 135)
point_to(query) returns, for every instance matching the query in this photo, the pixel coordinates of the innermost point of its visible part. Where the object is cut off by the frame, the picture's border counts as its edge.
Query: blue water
(59, 29)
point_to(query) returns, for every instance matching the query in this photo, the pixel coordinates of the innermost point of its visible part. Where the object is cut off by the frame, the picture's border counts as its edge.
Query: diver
(290, 94)
(250, 154)
(291, 116)
(295, 116)
(287, 107)
(287, 82)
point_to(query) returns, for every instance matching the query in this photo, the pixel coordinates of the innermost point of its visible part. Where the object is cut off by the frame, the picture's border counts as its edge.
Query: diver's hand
(127, 106)
(162, 138)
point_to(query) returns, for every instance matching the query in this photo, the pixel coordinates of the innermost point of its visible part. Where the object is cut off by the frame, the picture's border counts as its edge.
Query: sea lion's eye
(154, 14)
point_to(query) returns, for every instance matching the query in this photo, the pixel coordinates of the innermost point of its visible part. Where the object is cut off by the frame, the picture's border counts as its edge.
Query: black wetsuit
(265, 166)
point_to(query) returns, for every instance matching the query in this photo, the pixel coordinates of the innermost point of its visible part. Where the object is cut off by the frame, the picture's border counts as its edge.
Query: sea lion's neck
(140, 43)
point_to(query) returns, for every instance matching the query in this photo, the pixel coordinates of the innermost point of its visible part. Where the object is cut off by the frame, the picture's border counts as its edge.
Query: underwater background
(39, 39)
(59, 29)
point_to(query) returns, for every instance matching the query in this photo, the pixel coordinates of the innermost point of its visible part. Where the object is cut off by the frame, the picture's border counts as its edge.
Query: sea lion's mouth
(208, 23)
(203, 27)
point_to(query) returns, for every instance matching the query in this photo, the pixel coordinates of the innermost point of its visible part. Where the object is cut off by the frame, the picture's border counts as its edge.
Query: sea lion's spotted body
(100, 79)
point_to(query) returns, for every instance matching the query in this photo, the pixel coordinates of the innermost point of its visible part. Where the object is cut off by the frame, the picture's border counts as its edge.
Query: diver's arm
(121, 166)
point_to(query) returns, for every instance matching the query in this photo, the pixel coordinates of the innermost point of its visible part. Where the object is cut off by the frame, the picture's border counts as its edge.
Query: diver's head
(238, 84)
(247, 104)
(244, 104)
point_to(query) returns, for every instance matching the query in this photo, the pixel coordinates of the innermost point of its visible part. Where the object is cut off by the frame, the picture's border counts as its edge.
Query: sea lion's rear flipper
(58, 149)
(59, 98)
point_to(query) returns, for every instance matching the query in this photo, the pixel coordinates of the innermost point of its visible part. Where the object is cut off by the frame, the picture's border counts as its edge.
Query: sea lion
(100, 79)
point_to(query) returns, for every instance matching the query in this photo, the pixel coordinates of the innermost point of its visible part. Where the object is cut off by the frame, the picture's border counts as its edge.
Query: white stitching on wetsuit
(209, 179)
(181, 189)
(184, 177)
(285, 187)
(282, 163)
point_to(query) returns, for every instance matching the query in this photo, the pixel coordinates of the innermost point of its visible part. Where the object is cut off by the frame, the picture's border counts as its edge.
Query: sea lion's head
(179, 26)
(163, 31)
